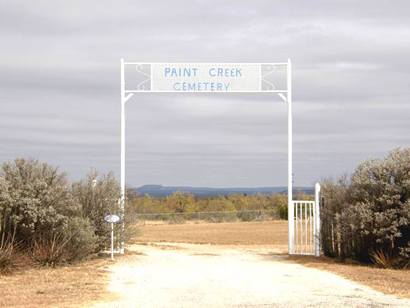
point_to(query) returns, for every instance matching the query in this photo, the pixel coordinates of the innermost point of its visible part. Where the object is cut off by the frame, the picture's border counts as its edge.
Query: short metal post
(112, 241)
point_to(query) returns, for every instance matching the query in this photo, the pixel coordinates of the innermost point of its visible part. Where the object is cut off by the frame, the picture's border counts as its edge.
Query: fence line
(245, 215)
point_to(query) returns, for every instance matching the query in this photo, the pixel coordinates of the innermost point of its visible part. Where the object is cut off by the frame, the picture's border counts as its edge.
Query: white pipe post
(112, 241)
(122, 181)
(291, 222)
(317, 220)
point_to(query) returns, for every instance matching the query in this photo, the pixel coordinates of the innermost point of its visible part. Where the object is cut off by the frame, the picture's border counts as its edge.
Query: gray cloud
(59, 87)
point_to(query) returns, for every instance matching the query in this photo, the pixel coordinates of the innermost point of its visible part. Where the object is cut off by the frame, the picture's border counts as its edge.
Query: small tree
(380, 191)
(369, 218)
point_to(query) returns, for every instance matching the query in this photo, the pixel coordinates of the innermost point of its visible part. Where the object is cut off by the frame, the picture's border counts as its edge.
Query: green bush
(82, 239)
(52, 219)
(35, 199)
(247, 215)
(73, 241)
(368, 217)
(98, 196)
(283, 211)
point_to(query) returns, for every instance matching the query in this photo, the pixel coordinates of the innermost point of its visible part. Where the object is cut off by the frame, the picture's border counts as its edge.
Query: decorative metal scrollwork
(273, 77)
(144, 70)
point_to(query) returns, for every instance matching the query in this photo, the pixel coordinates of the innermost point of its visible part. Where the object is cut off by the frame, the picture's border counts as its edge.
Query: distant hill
(162, 191)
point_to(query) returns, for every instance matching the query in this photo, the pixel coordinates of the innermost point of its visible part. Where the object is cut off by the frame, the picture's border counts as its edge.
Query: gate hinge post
(317, 220)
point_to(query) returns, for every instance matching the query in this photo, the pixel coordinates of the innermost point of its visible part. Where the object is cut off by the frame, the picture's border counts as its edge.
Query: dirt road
(188, 275)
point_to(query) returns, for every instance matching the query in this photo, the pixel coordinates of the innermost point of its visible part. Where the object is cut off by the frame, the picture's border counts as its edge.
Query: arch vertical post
(291, 221)
(122, 180)
(316, 230)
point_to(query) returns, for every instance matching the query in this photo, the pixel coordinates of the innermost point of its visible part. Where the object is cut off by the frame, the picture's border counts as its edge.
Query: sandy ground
(189, 275)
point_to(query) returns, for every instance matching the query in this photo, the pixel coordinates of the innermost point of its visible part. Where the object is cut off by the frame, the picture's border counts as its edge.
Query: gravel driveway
(187, 275)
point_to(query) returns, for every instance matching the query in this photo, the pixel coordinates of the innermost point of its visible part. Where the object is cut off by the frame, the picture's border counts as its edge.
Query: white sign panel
(112, 218)
(205, 77)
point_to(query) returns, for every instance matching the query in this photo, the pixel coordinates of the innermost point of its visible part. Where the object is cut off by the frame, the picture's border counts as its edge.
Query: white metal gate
(306, 226)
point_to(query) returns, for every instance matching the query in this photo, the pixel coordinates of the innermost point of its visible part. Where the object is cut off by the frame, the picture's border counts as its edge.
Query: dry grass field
(228, 233)
(66, 286)
(388, 281)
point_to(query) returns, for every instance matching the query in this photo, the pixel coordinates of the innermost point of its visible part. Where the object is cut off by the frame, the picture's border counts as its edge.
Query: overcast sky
(60, 83)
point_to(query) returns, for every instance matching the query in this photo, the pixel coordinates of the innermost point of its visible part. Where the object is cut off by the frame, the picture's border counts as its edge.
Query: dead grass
(390, 281)
(227, 233)
(67, 286)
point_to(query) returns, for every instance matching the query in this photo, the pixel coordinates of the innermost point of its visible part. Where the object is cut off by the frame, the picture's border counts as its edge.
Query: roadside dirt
(66, 286)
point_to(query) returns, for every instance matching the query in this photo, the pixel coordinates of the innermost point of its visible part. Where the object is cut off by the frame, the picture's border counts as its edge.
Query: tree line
(179, 207)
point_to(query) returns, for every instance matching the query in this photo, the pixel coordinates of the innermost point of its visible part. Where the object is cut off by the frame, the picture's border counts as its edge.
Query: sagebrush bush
(74, 241)
(98, 196)
(82, 239)
(35, 199)
(49, 217)
(368, 217)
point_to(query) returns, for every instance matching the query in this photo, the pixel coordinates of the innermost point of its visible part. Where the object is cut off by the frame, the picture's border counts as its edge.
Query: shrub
(214, 218)
(98, 196)
(382, 259)
(369, 218)
(38, 210)
(217, 217)
(74, 241)
(50, 251)
(7, 248)
(34, 200)
(82, 239)
(229, 217)
(248, 215)
(283, 211)
(176, 219)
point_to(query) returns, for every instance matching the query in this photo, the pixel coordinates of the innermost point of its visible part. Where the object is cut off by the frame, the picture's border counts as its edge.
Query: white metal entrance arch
(303, 216)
